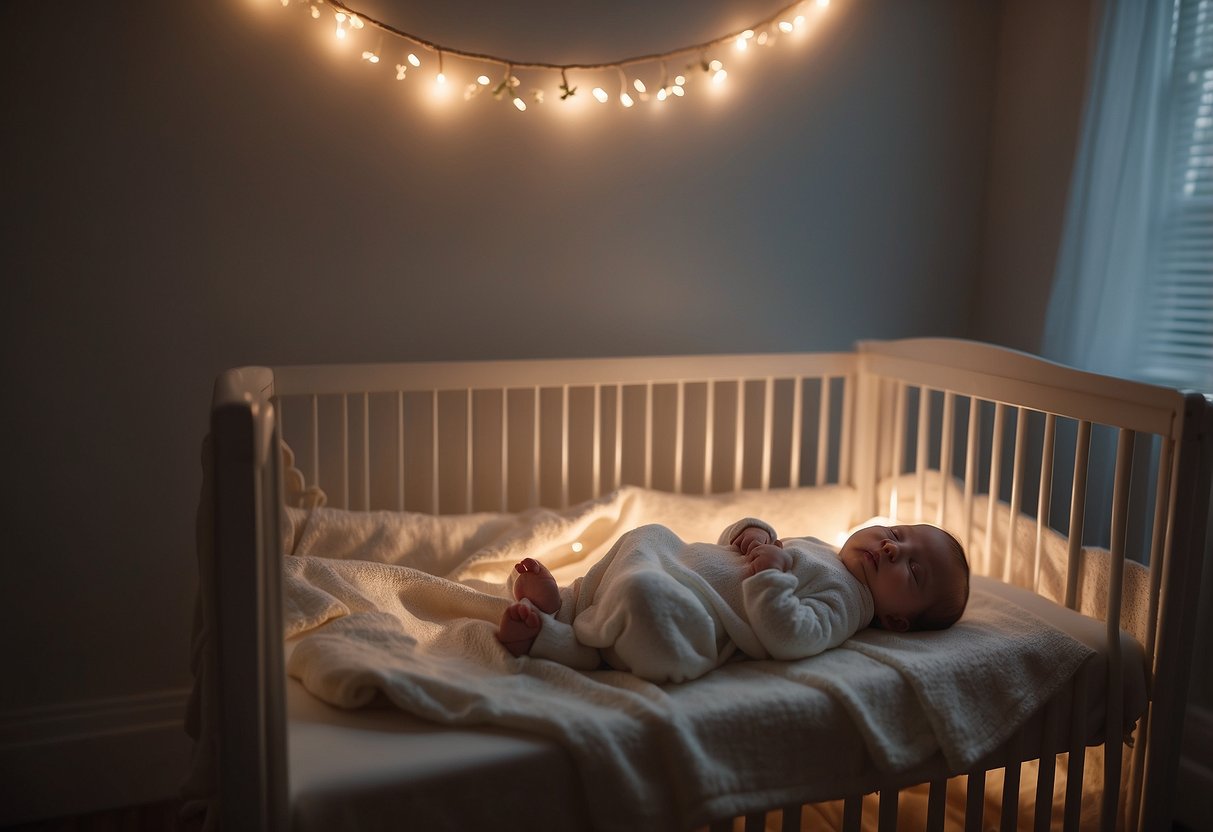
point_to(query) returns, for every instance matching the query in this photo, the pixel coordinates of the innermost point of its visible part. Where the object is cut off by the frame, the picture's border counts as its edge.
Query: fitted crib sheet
(362, 766)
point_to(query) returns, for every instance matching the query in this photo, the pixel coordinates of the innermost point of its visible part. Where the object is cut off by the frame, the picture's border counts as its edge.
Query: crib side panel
(507, 436)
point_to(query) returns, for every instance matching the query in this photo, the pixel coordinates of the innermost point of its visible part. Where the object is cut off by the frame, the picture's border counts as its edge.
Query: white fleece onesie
(670, 611)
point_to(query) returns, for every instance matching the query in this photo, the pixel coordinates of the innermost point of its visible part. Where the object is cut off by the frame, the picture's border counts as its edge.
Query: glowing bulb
(719, 77)
(340, 32)
(678, 90)
(679, 80)
(715, 66)
(400, 71)
(762, 39)
(521, 105)
(577, 547)
(413, 60)
(370, 57)
(356, 20)
(785, 27)
(821, 4)
(601, 95)
(799, 21)
(315, 13)
(440, 78)
(483, 80)
(661, 94)
(626, 99)
(742, 45)
(341, 17)
(639, 85)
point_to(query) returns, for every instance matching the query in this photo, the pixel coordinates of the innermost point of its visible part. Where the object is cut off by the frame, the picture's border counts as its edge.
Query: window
(1176, 345)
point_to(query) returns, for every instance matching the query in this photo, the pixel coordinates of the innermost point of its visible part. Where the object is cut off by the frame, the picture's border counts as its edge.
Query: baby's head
(918, 575)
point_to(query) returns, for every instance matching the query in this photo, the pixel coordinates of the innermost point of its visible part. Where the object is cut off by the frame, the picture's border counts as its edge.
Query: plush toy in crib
(670, 611)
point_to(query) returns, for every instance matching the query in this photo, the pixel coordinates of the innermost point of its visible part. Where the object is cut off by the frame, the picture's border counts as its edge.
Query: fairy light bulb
(483, 81)
(715, 66)
(340, 33)
(743, 40)
(762, 38)
(625, 99)
(520, 105)
(785, 27)
(440, 78)
(640, 87)
(719, 76)
(370, 57)
(601, 95)
(799, 21)
(315, 13)
(661, 94)
(678, 90)
(414, 60)
(821, 4)
(577, 546)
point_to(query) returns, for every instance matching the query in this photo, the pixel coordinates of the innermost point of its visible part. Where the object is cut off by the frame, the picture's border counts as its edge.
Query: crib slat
(505, 448)
(1045, 496)
(994, 486)
(739, 435)
(975, 801)
(852, 813)
(1115, 705)
(1076, 759)
(971, 467)
(1010, 783)
(1021, 446)
(848, 408)
(315, 427)
(797, 431)
(899, 431)
(1047, 770)
(400, 450)
(945, 456)
(535, 452)
(679, 410)
(887, 814)
(366, 452)
(564, 446)
(823, 433)
(468, 440)
(791, 818)
(345, 451)
(648, 435)
(768, 425)
(754, 822)
(709, 435)
(920, 451)
(618, 436)
(596, 451)
(937, 804)
(434, 452)
(1078, 508)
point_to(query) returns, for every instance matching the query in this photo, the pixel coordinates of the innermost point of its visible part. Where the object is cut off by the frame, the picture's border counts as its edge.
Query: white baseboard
(1194, 792)
(91, 756)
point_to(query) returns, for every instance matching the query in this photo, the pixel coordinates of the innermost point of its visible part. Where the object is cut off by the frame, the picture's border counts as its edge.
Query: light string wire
(554, 67)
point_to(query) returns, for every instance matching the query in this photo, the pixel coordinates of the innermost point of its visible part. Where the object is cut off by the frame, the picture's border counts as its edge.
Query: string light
(786, 20)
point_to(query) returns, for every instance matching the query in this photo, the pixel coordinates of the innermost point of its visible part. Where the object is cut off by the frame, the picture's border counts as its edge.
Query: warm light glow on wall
(703, 63)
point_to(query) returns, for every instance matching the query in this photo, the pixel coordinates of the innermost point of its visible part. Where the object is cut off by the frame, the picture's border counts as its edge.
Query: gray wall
(194, 185)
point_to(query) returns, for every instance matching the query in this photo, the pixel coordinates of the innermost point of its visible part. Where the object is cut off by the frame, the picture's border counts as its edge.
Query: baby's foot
(536, 584)
(519, 626)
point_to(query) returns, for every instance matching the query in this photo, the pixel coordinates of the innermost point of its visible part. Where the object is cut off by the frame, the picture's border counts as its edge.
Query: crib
(1021, 458)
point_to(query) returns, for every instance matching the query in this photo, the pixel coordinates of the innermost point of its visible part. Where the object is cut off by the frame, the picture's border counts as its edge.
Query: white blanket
(403, 608)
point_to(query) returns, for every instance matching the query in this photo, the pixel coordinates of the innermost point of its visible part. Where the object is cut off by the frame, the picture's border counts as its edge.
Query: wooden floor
(155, 817)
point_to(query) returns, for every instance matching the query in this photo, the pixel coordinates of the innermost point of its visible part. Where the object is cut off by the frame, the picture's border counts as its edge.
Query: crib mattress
(372, 767)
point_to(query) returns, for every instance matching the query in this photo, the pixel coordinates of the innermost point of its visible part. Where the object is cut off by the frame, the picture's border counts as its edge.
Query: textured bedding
(402, 608)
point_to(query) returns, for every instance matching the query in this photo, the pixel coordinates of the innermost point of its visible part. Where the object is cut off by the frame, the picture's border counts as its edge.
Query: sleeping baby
(670, 611)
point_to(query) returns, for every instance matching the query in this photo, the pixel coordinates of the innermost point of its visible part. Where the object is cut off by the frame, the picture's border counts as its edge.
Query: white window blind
(1177, 345)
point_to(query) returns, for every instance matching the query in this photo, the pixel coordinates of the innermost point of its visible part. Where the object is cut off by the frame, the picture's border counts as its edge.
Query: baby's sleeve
(794, 620)
(730, 532)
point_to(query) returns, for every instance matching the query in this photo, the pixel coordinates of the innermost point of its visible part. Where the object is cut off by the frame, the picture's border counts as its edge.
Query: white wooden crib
(1108, 465)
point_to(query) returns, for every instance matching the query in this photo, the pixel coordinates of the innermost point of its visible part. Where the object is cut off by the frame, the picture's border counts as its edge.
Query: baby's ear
(896, 623)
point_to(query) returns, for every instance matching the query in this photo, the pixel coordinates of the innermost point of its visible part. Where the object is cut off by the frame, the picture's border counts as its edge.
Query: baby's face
(906, 568)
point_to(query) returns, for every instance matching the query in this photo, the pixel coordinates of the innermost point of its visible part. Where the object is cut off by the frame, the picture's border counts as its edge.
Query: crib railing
(448, 437)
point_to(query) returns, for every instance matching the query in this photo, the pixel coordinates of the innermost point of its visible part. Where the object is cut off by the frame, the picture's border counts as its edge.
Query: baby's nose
(890, 549)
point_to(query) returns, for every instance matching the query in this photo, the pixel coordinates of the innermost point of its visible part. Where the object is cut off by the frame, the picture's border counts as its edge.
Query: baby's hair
(948, 608)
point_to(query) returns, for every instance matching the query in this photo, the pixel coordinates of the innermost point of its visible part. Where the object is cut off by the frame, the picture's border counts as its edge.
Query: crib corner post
(1176, 638)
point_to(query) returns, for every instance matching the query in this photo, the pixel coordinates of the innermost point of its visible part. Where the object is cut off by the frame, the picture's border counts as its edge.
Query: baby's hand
(752, 536)
(768, 556)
